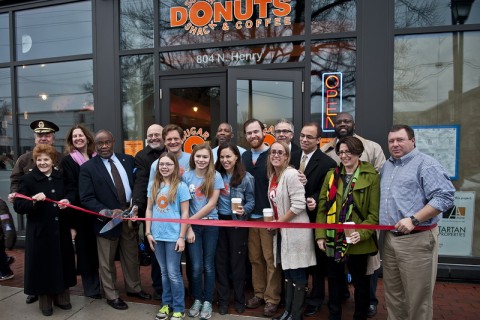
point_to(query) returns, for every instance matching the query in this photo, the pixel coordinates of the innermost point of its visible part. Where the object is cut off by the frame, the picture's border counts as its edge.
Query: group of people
(347, 181)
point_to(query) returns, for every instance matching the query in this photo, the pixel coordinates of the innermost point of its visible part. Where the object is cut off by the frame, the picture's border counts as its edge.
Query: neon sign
(200, 17)
(331, 99)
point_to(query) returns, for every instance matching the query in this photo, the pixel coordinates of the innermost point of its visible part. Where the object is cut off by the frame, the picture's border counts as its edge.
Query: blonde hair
(174, 180)
(209, 178)
(270, 168)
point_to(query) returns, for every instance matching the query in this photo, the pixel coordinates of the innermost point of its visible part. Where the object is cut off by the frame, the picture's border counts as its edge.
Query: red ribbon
(245, 224)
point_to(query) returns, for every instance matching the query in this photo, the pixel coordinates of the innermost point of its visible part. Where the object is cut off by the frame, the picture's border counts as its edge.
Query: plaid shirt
(411, 182)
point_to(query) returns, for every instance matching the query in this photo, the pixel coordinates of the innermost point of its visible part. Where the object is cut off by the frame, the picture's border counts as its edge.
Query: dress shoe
(157, 296)
(140, 295)
(97, 296)
(223, 309)
(270, 309)
(117, 304)
(311, 310)
(67, 306)
(47, 312)
(240, 307)
(372, 311)
(255, 302)
(31, 299)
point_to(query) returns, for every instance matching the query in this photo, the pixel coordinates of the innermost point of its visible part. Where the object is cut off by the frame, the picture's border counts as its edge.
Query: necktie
(302, 163)
(117, 180)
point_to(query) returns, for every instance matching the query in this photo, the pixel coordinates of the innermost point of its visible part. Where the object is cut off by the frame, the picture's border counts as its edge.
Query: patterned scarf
(336, 241)
(77, 156)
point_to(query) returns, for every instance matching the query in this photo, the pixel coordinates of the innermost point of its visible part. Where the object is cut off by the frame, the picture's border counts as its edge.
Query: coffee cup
(268, 214)
(236, 204)
(348, 232)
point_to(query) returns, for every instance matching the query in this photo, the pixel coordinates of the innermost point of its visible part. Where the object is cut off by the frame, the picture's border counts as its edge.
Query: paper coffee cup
(268, 214)
(348, 232)
(236, 203)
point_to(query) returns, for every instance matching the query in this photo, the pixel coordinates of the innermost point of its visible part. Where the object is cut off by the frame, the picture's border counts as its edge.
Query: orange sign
(192, 137)
(131, 147)
(201, 17)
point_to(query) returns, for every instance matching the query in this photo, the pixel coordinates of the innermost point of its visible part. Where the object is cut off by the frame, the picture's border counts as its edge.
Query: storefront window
(54, 31)
(232, 56)
(194, 22)
(59, 92)
(437, 89)
(4, 39)
(6, 127)
(336, 58)
(423, 13)
(138, 113)
(333, 16)
(136, 24)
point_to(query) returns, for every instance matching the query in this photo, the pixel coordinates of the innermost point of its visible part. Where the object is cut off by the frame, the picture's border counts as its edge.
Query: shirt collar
(405, 159)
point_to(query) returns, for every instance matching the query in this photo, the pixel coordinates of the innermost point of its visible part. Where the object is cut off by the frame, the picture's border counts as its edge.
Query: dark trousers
(4, 266)
(230, 262)
(318, 273)
(357, 266)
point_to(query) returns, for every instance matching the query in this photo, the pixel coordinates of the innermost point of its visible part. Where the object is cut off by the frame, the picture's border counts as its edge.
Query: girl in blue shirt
(168, 198)
(231, 254)
(204, 184)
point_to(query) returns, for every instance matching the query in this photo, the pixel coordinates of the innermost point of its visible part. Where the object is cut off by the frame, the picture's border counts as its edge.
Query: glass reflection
(60, 92)
(4, 36)
(232, 56)
(428, 13)
(6, 128)
(437, 83)
(137, 80)
(190, 22)
(136, 24)
(54, 31)
(334, 16)
(333, 56)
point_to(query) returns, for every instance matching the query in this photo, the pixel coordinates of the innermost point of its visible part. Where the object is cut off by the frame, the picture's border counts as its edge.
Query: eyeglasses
(165, 164)
(307, 136)
(100, 144)
(283, 131)
(346, 121)
(344, 153)
(277, 152)
(156, 135)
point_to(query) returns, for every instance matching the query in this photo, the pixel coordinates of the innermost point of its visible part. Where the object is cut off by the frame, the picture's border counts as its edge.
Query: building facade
(123, 65)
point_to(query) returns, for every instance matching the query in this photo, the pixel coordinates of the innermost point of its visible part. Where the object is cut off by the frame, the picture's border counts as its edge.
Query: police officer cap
(43, 126)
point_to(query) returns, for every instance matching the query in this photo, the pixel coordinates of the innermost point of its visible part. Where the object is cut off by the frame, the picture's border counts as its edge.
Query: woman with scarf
(79, 148)
(350, 193)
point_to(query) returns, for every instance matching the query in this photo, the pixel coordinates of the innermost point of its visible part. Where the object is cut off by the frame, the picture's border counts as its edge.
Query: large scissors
(117, 218)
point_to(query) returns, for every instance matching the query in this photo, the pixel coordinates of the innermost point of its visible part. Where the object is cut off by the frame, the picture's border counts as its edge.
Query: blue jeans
(202, 260)
(172, 282)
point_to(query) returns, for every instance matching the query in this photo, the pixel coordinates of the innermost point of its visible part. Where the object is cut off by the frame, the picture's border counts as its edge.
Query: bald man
(143, 161)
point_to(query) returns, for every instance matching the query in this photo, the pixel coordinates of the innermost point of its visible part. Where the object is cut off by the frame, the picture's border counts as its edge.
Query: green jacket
(366, 196)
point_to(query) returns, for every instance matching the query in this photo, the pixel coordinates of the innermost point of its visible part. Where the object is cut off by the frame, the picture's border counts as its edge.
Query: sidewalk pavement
(452, 300)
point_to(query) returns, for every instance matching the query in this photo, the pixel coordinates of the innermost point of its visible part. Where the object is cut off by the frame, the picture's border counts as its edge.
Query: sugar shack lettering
(201, 17)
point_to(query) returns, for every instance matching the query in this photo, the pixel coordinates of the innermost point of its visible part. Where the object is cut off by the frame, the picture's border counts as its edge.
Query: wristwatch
(415, 221)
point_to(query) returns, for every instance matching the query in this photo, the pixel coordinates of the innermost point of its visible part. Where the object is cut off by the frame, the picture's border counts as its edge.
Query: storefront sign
(202, 17)
(456, 226)
(192, 137)
(227, 58)
(331, 99)
(131, 147)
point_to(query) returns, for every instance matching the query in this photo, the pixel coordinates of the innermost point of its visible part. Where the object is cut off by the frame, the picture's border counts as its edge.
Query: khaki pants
(128, 250)
(409, 274)
(266, 277)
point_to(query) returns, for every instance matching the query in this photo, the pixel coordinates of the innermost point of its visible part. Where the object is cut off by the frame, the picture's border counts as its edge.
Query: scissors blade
(111, 224)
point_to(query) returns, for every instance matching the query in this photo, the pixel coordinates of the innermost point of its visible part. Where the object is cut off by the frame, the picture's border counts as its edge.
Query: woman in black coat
(49, 257)
(79, 148)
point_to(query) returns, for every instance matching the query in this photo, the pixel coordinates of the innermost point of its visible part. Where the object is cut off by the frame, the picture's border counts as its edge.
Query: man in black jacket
(143, 161)
(314, 164)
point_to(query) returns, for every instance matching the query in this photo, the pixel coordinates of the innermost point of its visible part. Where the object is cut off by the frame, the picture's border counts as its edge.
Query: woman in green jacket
(350, 193)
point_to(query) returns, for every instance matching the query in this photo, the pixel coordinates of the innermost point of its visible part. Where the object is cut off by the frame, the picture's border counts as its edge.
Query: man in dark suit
(314, 164)
(106, 182)
(284, 131)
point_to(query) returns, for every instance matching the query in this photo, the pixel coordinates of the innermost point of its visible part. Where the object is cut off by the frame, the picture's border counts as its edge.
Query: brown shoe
(270, 309)
(255, 302)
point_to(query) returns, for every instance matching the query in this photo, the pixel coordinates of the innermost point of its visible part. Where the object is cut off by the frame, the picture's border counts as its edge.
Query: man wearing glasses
(284, 132)
(345, 126)
(314, 164)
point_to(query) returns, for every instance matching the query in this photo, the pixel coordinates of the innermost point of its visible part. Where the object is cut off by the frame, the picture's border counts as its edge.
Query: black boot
(286, 315)
(298, 303)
